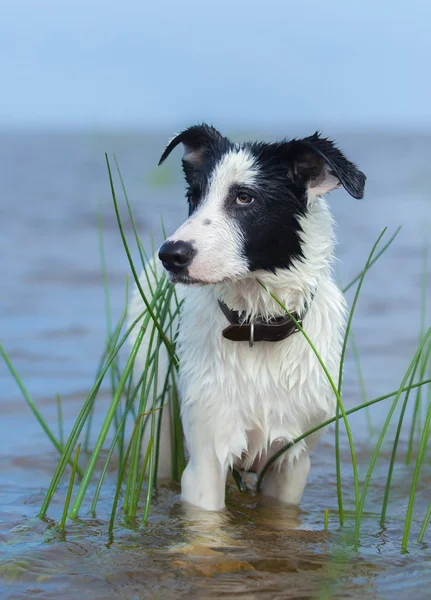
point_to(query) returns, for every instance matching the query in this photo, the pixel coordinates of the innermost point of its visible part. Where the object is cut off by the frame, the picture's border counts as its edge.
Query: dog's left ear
(318, 164)
(197, 141)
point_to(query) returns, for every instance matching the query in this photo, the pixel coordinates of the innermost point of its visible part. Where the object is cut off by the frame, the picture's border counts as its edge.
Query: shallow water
(53, 327)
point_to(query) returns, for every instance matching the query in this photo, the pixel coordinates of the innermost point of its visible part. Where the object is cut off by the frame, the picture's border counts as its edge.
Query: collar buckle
(258, 329)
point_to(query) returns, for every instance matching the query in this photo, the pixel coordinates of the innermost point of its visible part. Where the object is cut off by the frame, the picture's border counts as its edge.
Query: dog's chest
(267, 384)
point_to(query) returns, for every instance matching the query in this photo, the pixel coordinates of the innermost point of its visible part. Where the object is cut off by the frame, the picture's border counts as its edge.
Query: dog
(249, 380)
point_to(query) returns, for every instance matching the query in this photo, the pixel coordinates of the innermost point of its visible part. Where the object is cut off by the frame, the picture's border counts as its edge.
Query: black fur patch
(270, 224)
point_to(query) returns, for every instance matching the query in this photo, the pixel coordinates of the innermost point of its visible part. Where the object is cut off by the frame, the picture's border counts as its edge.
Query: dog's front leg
(204, 480)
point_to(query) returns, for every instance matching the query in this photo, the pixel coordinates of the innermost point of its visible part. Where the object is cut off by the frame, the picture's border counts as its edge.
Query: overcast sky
(136, 63)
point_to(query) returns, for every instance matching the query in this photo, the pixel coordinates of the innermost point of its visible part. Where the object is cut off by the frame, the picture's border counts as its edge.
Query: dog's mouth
(186, 279)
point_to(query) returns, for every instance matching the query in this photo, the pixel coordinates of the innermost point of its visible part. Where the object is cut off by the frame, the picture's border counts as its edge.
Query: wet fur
(238, 405)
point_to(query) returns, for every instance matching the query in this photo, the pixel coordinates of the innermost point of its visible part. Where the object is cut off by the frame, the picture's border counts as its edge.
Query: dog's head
(246, 201)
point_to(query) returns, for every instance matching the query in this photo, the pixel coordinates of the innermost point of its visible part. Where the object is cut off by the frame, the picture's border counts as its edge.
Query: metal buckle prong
(251, 340)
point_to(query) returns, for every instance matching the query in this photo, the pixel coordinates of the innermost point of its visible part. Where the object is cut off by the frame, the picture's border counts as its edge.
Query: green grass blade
(102, 360)
(105, 428)
(425, 523)
(326, 520)
(110, 346)
(373, 262)
(70, 488)
(334, 389)
(107, 295)
(122, 473)
(419, 461)
(108, 312)
(151, 468)
(240, 483)
(113, 406)
(144, 465)
(417, 409)
(395, 447)
(361, 381)
(124, 466)
(351, 411)
(102, 476)
(178, 455)
(340, 382)
(60, 421)
(352, 310)
(129, 209)
(428, 513)
(383, 433)
(131, 494)
(80, 422)
(148, 381)
(58, 446)
(167, 343)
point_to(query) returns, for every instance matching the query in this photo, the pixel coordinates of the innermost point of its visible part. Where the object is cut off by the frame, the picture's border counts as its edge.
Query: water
(53, 326)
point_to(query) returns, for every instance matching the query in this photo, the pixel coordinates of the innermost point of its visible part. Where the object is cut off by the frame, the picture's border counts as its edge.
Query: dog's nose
(176, 256)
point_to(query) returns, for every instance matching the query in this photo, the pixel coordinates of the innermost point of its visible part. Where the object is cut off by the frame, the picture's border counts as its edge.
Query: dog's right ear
(322, 167)
(197, 141)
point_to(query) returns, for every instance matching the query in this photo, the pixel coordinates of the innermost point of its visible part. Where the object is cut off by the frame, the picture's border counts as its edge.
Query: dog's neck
(294, 287)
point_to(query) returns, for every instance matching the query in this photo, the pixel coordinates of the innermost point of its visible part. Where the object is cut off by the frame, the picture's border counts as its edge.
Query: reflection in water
(211, 545)
(214, 539)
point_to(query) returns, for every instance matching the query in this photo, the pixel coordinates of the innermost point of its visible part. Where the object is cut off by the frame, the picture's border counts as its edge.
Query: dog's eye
(244, 198)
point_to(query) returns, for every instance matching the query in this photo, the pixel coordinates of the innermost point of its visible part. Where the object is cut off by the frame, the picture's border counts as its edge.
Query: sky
(161, 64)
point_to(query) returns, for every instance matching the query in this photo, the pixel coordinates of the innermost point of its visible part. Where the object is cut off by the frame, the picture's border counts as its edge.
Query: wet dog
(249, 380)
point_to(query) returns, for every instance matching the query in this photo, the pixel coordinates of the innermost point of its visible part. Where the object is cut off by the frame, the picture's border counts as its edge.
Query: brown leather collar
(258, 330)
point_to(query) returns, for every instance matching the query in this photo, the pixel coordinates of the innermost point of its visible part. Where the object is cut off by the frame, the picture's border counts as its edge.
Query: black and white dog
(249, 382)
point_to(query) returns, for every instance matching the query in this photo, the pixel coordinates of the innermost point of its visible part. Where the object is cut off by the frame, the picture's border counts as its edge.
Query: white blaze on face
(211, 230)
